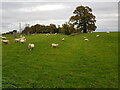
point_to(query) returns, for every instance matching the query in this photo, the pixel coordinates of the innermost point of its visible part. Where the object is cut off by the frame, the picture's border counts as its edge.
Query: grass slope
(74, 64)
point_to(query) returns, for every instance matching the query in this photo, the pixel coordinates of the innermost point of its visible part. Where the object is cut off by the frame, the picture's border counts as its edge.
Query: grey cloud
(106, 14)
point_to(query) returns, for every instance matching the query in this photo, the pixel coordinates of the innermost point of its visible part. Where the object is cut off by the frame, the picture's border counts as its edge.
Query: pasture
(75, 63)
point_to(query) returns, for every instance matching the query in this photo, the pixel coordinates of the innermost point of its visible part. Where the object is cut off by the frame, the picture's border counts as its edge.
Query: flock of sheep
(97, 36)
(22, 40)
(31, 46)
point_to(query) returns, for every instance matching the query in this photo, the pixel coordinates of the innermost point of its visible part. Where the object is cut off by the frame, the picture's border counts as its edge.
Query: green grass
(74, 64)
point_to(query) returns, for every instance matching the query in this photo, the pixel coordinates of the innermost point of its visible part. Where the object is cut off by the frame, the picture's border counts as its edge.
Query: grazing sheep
(5, 41)
(55, 33)
(97, 36)
(3, 37)
(46, 35)
(22, 40)
(63, 39)
(54, 45)
(17, 40)
(107, 32)
(31, 46)
(86, 39)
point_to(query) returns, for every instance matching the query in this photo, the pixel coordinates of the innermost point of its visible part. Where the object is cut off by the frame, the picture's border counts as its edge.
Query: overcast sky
(57, 13)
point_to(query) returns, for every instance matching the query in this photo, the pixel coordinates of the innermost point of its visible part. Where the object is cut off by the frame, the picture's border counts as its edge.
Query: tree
(67, 28)
(53, 28)
(26, 30)
(83, 19)
(37, 28)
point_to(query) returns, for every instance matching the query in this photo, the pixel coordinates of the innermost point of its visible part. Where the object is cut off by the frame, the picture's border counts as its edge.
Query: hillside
(75, 63)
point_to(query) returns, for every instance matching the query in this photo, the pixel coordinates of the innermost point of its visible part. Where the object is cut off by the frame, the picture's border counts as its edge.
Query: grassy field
(74, 64)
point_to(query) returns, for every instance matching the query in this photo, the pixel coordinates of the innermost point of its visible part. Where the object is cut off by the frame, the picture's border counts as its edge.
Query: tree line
(82, 21)
(41, 29)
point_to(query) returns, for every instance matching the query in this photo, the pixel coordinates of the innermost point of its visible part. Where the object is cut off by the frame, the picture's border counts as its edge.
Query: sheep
(97, 36)
(54, 45)
(46, 35)
(63, 39)
(55, 34)
(3, 37)
(5, 41)
(17, 40)
(22, 40)
(31, 46)
(107, 32)
(86, 39)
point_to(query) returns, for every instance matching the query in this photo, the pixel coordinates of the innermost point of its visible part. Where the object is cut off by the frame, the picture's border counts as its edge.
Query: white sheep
(46, 35)
(107, 32)
(3, 37)
(5, 41)
(86, 39)
(55, 33)
(54, 45)
(97, 36)
(63, 39)
(22, 40)
(17, 40)
(31, 46)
